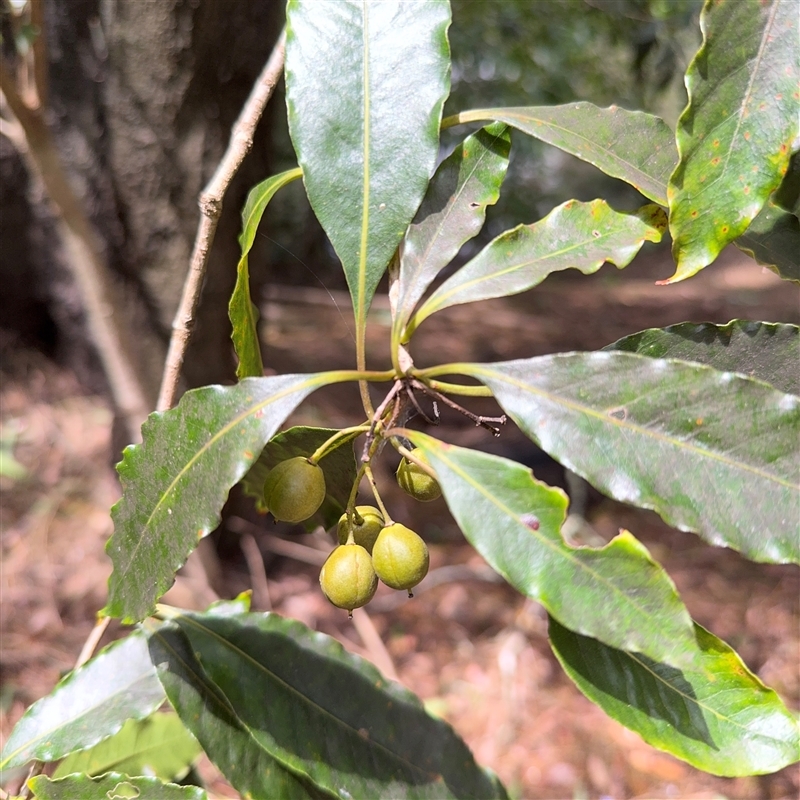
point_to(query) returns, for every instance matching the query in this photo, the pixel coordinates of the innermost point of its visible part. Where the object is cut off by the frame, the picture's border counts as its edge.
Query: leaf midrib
(564, 552)
(437, 300)
(476, 370)
(488, 114)
(297, 693)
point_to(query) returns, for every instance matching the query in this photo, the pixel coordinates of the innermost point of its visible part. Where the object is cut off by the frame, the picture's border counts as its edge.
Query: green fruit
(400, 557)
(415, 481)
(347, 578)
(365, 532)
(294, 489)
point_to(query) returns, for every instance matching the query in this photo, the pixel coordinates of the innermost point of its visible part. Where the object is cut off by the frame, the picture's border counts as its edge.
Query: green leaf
(710, 452)
(573, 236)
(365, 85)
(453, 211)
(113, 786)
(635, 147)
(327, 716)
(773, 239)
(239, 605)
(734, 137)
(89, 705)
(159, 746)
(339, 468)
(769, 352)
(175, 483)
(616, 593)
(787, 195)
(207, 714)
(241, 311)
(717, 716)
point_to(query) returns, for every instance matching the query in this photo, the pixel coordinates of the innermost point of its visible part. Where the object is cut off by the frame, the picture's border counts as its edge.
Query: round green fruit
(365, 532)
(415, 481)
(347, 578)
(400, 557)
(294, 489)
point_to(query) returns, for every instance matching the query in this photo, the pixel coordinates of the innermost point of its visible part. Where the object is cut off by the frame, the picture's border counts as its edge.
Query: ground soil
(469, 645)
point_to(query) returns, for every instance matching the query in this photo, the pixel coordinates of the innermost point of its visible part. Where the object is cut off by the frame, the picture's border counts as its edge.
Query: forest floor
(469, 645)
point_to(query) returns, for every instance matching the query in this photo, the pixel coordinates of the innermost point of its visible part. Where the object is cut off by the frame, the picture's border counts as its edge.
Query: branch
(40, 78)
(85, 259)
(211, 209)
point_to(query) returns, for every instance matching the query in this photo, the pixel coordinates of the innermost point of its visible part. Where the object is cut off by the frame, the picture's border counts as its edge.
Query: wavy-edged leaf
(175, 483)
(207, 714)
(709, 451)
(773, 240)
(453, 211)
(635, 147)
(338, 466)
(616, 593)
(366, 132)
(718, 716)
(241, 311)
(89, 705)
(574, 235)
(159, 746)
(112, 786)
(734, 137)
(767, 351)
(329, 717)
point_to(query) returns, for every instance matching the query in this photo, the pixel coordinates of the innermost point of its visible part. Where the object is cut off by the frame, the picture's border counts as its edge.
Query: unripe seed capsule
(400, 557)
(365, 532)
(347, 578)
(415, 481)
(294, 489)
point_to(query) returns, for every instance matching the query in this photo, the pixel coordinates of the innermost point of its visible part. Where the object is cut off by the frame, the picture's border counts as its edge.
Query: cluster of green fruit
(370, 546)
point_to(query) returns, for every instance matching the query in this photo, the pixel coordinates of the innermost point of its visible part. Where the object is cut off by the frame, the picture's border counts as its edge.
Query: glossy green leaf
(769, 352)
(616, 593)
(225, 608)
(225, 739)
(241, 311)
(573, 236)
(339, 468)
(175, 483)
(326, 716)
(89, 705)
(718, 716)
(365, 85)
(773, 240)
(453, 211)
(635, 147)
(112, 786)
(734, 137)
(159, 746)
(709, 451)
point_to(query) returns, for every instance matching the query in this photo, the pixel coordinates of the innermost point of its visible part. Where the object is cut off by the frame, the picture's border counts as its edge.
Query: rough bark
(142, 98)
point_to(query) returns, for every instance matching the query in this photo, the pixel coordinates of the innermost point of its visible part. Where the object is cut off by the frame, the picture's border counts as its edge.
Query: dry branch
(211, 209)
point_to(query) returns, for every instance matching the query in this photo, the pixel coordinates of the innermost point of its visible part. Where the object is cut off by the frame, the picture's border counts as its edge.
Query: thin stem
(361, 364)
(409, 454)
(443, 369)
(477, 115)
(92, 641)
(371, 478)
(346, 434)
(461, 389)
(351, 501)
(211, 209)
